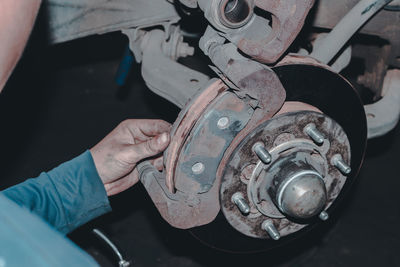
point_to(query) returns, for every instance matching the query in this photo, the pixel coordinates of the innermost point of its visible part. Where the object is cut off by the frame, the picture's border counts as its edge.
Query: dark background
(61, 100)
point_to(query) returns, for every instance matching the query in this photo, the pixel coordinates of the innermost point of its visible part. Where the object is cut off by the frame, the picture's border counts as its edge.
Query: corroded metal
(235, 14)
(304, 82)
(184, 208)
(196, 149)
(184, 124)
(297, 146)
(241, 203)
(288, 19)
(207, 142)
(246, 77)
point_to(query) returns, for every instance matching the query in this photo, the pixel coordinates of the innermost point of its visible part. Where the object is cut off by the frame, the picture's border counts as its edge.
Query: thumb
(151, 147)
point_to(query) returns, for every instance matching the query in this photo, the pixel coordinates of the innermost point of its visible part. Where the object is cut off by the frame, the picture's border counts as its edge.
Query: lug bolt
(262, 153)
(339, 163)
(223, 123)
(312, 131)
(271, 230)
(241, 203)
(198, 168)
(324, 216)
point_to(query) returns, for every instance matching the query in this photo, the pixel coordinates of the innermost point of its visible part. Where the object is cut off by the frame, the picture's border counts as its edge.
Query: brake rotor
(333, 106)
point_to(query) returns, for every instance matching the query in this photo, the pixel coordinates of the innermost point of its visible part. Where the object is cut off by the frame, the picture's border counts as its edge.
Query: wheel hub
(298, 182)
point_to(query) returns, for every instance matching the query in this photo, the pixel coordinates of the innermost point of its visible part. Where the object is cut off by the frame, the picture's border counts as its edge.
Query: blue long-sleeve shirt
(65, 197)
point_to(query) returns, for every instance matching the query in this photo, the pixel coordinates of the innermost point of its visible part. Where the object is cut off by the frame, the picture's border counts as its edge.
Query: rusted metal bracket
(257, 37)
(204, 147)
(249, 77)
(197, 147)
(184, 124)
(177, 209)
(288, 18)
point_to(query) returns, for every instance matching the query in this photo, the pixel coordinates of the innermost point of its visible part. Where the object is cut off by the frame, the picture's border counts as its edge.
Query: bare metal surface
(312, 131)
(324, 216)
(347, 26)
(340, 163)
(301, 194)
(223, 122)
(384, 115)
(262, 153)
(74, 19)
(241, 203)
(271, 230)
(272, 134)
(198, 168)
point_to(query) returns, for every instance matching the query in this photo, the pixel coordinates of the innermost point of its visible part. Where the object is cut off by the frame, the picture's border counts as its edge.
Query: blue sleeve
(26, 240)
(67, 196)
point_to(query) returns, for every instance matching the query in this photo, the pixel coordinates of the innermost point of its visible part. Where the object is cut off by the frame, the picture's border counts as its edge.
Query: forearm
(16, 23)
(67, 196)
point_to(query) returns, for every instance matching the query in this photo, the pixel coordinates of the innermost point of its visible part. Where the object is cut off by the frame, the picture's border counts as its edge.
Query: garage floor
(62, 100)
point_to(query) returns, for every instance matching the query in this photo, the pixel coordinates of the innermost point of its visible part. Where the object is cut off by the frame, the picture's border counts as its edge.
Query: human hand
(130, 142)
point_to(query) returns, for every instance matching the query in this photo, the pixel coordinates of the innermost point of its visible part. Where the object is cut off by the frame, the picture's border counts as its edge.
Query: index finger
(148, 128)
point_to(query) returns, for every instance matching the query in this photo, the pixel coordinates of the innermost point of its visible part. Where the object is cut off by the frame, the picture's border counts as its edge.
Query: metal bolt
(241, 203)
(262, 153)
(223, 122)
(184, 50)
(339, 163)
(271, 230)
(312, 131)
(198, 168)
(324, 216)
